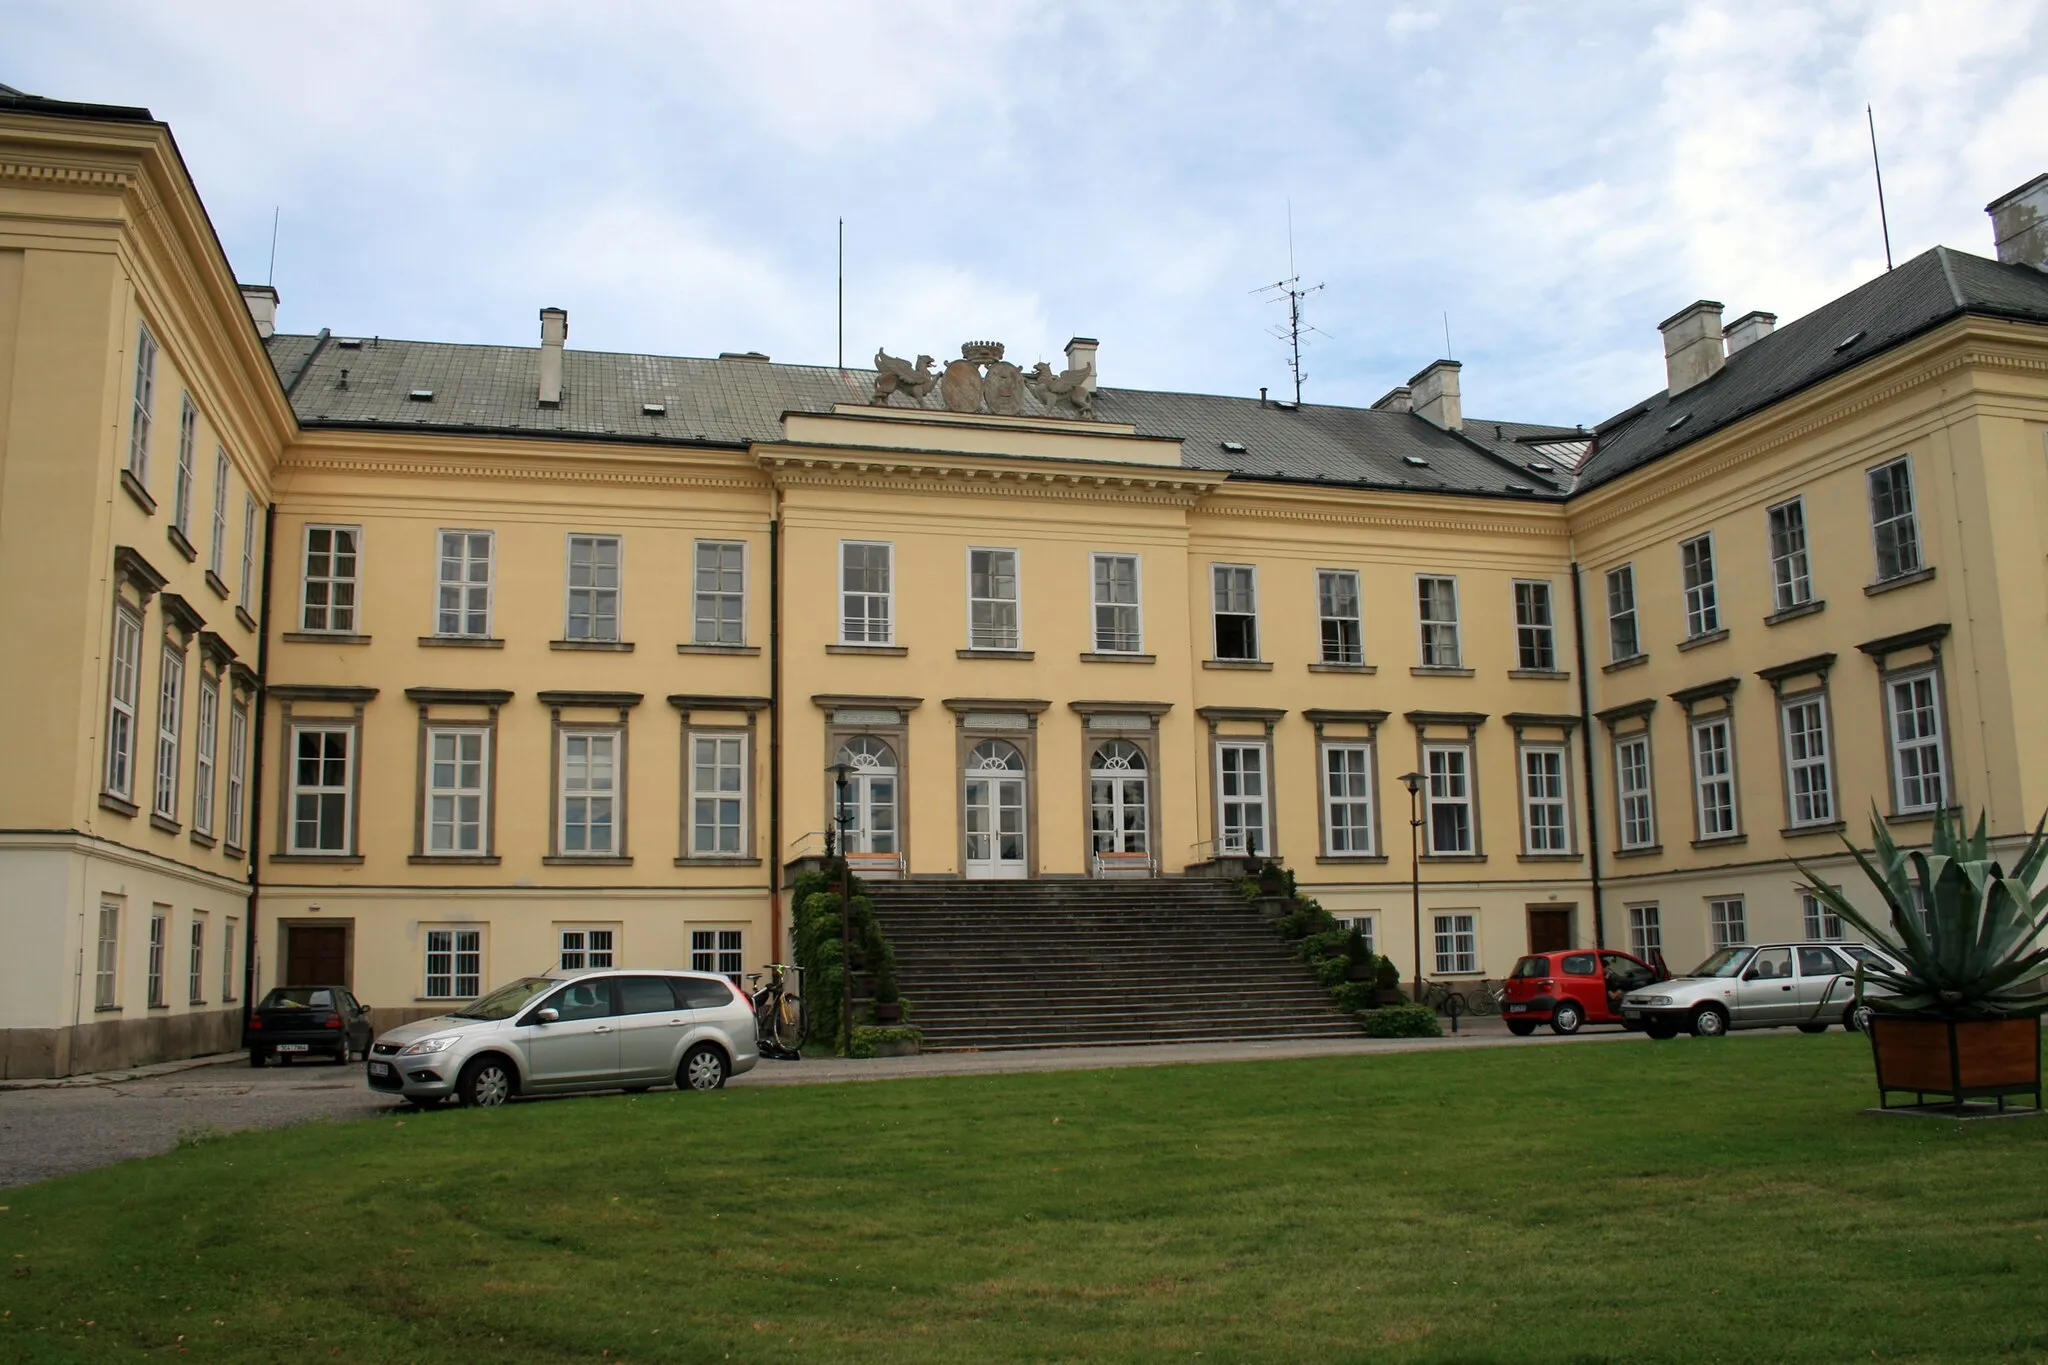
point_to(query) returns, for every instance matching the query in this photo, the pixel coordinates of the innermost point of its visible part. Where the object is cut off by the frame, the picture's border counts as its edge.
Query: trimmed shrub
(1401, 1021)
(867, 1040)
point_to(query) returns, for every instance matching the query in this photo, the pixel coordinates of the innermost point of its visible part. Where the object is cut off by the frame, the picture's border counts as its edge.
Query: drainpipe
(775, 845)
(1586, 746)
(260, 709)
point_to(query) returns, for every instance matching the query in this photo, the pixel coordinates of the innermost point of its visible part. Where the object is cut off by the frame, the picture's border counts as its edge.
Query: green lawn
(1693, 1201)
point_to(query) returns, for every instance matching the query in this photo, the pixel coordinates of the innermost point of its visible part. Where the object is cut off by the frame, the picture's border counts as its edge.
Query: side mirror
(547, 1016)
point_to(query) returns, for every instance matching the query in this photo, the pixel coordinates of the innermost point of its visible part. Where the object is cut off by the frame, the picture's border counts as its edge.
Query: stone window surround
(842, 723)
(1324, 720)
(1097, 729)
(182, 626)
(1926, 644)
(1550, 732)
(1787, 687)
(1628, 721)
(466, 699)
(287, 696)
(1468, 722)
(1700, 710)
(621, 705)
(688, 707)
(969, 729)
(1266, 717)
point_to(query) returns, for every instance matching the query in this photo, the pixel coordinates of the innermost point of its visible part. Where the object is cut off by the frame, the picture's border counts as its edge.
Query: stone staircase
(1078, 963)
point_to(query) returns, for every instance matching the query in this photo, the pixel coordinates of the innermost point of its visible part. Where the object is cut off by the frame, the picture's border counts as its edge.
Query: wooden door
(316, 955)
(1550, 931)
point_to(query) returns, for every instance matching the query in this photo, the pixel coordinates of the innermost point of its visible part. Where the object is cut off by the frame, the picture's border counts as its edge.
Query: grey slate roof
(737, 401)
(1923, 293)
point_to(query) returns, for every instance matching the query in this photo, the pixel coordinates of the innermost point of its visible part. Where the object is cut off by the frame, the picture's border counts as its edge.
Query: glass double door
(995, 808)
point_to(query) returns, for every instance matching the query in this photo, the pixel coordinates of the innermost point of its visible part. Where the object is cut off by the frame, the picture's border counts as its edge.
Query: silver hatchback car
(598, 1029)
(1807, 985)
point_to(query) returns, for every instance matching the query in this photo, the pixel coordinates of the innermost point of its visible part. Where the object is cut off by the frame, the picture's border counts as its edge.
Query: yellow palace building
(419, 666)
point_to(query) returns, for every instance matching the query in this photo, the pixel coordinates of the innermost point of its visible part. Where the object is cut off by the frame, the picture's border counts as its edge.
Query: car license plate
(1517, 1009)
(380, 1068)
(293, 1047)
(1631, 1014)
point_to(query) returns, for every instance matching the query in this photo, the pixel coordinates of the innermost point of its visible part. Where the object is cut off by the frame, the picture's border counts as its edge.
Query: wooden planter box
(1361, 971)
(888, 1011)
(1273, 907)
(1950, 1061)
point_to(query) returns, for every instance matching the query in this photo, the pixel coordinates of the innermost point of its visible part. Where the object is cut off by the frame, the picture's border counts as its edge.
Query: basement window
(421, 395)
(654, 409)
(1678, 421)
(1846, 342)
(1415, 460)
(1234, 447)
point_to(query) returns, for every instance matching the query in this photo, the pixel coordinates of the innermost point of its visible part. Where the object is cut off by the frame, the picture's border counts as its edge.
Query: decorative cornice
(180, 613)
(213, 647)
(129, 564)
(1471, 720)
(686, 703)
(1926, 637)
(1778, 673)
(606, 701)
(1162, 485)
(1689, 697)
(538, 471)
(1628, 710)
(289, 692)
(458, 696)
(1319, 716)
(1223, 505)
(1538, 720)
(72, 176)
(832, 701)
(960, 706)
(1212, 714)
(1154, 709)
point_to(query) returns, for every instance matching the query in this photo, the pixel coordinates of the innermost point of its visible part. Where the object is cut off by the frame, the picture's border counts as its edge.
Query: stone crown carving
(981, 381)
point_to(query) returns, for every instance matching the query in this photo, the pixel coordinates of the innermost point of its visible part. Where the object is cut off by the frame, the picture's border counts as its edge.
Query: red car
(1570, 989)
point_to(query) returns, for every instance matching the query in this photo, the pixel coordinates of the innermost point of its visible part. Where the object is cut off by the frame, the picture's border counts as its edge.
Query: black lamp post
(840, 772)
(1413, 782)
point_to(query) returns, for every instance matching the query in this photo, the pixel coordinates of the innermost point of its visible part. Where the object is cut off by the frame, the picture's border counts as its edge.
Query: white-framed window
(1337, 609)
(455, 963)
(1636, 813)
(1241, 790)
(1791, 576)
(1457, 943)
(1809, 768)
(718, 950)
(1347, 800)
(1367, 927)
(583, 948)
(170, 727)
(106, 971)
(1119, 624)
(238, 755)
(1713, 774)
(327, 600)
(1235, 609)
(230, 939)
(1535, 627)
(593, 584)
(1725, 921)
(124, 676)
(1894, 528)
(205, 742)
(1546, 819)
(458, 781)
(217, 548)
(247, 595)
(718, 794)
(462, 602)
(721, 610)
(181, 491)
(992, 606)
(1702, 598)
(1447, 800)
(159, 942)
(322, 804)
(1645, 931)
(1624, 641)
(195, 965)
(144, 405)
(1919, 758)
(867, 593)
(589, 795)
(1821, 922)
(1437, 613)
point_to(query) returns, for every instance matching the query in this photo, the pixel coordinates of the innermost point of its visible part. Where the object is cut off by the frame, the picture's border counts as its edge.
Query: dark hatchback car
(295, 1021)
(1568, 990)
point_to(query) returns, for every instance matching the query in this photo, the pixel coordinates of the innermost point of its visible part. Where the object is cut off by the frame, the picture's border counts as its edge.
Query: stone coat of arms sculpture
(981, 381)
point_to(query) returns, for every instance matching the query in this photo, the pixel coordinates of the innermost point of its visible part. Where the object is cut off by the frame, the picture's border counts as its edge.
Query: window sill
(1347, 859)
(234, 851)
(1632, 661)
(1541, 674)
(106, 1009)
(134, 489)
(164, 823)
(1721, 841)
(594, 646)
(337, 859)
(323, 637)
(1020, 655)
(1549, 858)
(1904, 580)
(1912, 816)
(1453, 857)
(719, 862)
(220, 589)
(182, 543)
(1646, 851)
(201, 839)
(249, 622)
(1239, 665)
(1712, 637)
(587, 860)
(158, 1005)
(886, 651)
(1364, 670)
(1441, 671)
(454, 859)
(462, 641)
(119, 805)
(748, 650)
(194, 1004)
(1115, 657)
(1779, 618)
(1801, 831)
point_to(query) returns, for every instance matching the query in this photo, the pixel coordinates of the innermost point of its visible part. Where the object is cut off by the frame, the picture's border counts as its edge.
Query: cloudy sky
(1555, 178)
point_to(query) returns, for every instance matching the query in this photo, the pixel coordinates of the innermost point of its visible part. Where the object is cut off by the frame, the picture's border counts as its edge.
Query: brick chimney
(2019, 224)
(1692, 345)
(261, 301)
(1748, 329)
(554, 335)
(1433, 395)
(1400, 398)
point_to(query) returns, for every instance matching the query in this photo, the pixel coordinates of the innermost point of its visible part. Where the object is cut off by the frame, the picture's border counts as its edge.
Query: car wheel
(1857, 1020)
(1709, 1021)
(1566, 1018)
(255, 1056)
(702, 1069)
(486, 1083)
(1813, 1028)
(1663, 1033)
(1521, 1028)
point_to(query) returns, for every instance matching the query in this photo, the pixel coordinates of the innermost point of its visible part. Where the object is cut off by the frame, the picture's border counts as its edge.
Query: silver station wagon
(598, 1029)
(1806, 985)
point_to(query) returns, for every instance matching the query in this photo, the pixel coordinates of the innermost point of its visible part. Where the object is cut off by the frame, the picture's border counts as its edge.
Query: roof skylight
(349, 343)
(421, 395)
(1850, 340)
(654, 409)
(1678, 421)
(1415, 460)
(1234, 447)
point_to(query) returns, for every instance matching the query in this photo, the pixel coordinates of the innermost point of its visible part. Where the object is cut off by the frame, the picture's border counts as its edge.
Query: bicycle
(1438, 995)
(1485, 1000)
(780, 1023)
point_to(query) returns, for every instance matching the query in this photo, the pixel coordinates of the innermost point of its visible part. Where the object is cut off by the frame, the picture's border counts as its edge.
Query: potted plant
(1386, 982)
(888, 999)
(1359, 957)
(1961, 1018)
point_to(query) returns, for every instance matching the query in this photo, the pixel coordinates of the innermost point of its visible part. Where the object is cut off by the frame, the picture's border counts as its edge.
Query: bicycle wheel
(1484, 1002)
(791, 1027)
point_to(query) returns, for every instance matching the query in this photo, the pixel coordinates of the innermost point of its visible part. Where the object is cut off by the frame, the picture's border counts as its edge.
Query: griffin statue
(893, 374)
(1071, 389)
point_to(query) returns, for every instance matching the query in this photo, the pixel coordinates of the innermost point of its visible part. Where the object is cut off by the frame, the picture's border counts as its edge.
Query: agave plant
(1965, 929)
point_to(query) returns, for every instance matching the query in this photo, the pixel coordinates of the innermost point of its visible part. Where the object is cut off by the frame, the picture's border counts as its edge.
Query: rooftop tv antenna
(1290, 289)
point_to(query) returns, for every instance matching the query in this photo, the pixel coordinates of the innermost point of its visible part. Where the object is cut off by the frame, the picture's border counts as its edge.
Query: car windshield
(1727, 962)
(507, 1000)
(298, 998)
